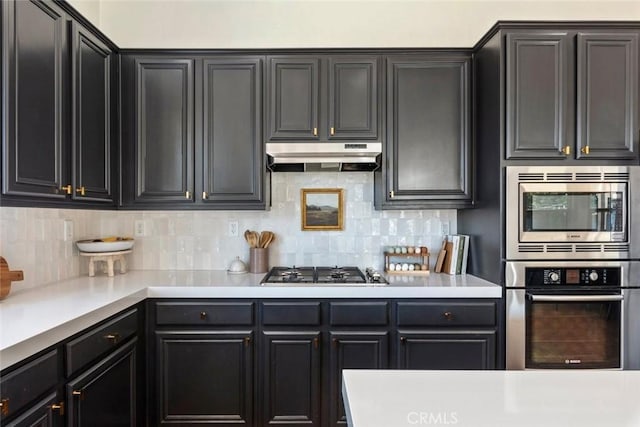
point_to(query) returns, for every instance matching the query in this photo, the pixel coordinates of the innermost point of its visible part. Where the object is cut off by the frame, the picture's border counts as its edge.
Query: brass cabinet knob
(203, 315)
(391, 194)
(77, 393)
(4, 407)
(403, 339)
(585, 149)
(566, 150)
(58, 407)
(67, 189)
(247, 341)
(448, 315)
(316, 343)
(81, 190)
(112, 337)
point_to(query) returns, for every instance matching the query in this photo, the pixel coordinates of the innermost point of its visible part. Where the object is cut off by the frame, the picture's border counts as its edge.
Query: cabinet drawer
(210, 313)
(291, 313)
(443, 313)
(28, 382)
(97, 341)
(358, 313)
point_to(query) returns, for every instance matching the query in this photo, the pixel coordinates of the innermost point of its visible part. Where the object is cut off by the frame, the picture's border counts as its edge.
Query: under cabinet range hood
(323, 156)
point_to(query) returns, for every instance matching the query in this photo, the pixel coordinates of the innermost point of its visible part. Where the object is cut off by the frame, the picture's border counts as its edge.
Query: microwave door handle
(574, 298)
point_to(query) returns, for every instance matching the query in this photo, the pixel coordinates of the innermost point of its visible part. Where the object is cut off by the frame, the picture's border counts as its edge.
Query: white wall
(329, 23)
(90, 9)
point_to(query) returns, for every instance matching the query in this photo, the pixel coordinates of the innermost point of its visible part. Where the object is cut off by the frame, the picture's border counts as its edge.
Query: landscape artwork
(322, 208)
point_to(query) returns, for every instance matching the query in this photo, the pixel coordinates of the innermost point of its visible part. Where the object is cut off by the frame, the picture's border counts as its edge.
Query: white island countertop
(550, 398)
(34, 319)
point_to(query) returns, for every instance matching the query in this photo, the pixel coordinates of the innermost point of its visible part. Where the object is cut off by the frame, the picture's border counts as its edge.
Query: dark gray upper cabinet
(538, 94)
(233, 158)
(607, 95)
(34, 48)
(164, 117)
(427, 152)
(320, 98)
(91, 116)
(353, 97)
(571, 94)
(293, 85)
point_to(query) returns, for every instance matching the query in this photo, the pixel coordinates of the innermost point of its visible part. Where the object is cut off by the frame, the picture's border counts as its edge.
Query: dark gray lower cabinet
(445, 349)
(40, 414)
(353, 350)
(205, 377)
(105, 395)
(291, 392)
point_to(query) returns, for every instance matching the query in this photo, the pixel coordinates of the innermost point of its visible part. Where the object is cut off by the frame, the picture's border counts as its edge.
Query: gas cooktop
(322, 276)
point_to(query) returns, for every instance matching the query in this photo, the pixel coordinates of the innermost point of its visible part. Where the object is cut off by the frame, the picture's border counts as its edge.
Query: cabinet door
(353, 350)
(353, 97)
(538, 94)
(291, 378)
(428, 150)
(233, 160)
(205, 378)
(91, 115)
(105, 395)
(164, 117)
(42, 414)
(446, 350)
(293, 90)
(33, 52)
(607, 88)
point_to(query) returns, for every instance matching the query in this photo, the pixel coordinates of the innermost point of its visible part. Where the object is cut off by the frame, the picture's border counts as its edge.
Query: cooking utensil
(266, 238)
(252, 238)
(7, 276)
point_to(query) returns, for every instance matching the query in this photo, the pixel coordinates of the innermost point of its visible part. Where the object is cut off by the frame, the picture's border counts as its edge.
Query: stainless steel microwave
(574, 212)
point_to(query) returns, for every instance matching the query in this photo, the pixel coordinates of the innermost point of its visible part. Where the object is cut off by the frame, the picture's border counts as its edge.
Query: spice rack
(390, 257)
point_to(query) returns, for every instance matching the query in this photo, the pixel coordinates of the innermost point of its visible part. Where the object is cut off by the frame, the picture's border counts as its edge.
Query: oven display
(572, 277)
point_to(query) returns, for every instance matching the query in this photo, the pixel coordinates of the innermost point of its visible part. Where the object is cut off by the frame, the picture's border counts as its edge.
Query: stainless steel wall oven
(571, 315)
(579, 212)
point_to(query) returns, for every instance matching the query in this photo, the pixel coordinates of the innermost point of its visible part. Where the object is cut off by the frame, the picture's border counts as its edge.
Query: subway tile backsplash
(32, 239)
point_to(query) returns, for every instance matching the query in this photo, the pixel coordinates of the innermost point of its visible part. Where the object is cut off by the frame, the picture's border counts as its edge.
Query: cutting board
(441, 257)
(6, 277)
(446, 266)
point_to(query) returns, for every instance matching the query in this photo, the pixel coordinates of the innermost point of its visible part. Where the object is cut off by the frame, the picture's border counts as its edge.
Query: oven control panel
(579, 276)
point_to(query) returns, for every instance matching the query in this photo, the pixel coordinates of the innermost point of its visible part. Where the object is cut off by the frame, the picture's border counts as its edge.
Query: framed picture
(322, 208)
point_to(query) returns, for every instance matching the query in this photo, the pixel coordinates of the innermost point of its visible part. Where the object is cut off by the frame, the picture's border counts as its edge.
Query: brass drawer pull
(403, 340)
(203, 315)
(78, 393)
(566, 150)
(247, 341)
(81, 190)
(315, 131)
(585, 149)
(67, 189)
(448, 315)
(316, 343)
(4, 407)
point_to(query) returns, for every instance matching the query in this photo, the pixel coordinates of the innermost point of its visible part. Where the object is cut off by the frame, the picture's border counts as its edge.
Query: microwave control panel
(582, 276)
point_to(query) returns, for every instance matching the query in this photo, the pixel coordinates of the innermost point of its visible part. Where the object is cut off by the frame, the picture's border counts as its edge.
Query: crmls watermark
(432, 418)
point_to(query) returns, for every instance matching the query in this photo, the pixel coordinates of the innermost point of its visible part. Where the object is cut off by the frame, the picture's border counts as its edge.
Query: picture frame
(322, 208)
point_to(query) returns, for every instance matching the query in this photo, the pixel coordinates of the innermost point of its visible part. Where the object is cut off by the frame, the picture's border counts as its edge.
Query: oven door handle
(574, 298)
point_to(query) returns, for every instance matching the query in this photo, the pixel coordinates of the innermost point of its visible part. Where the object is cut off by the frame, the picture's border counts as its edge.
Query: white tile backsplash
(32, 239)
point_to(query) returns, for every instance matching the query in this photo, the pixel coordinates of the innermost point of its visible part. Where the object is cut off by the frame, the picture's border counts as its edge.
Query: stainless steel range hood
(323, 156)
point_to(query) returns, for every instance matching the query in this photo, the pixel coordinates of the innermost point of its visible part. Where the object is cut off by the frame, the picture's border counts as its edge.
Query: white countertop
(34, 319)
(550, 398)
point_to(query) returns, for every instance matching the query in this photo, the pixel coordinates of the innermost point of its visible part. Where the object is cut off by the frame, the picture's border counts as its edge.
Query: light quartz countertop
(34, 319)
(550, 398)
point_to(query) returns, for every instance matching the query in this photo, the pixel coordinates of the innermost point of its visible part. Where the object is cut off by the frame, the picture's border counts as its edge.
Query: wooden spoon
(268, 238)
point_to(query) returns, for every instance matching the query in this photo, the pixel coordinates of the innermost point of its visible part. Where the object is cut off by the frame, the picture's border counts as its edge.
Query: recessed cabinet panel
(205, 377)
(233, 155)
(291, 378)
(428, 127)
(165, 120)
(91, 131)
(293, 98)
(446, 350)
(538, 92)
(353, 98)
(34, 45)
(607, 95)
(39, 415)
